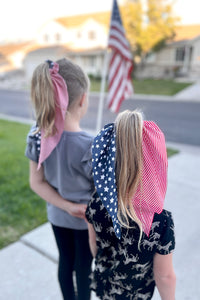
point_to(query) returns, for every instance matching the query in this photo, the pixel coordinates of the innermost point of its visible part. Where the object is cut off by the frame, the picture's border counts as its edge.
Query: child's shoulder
(83, 140)
(88, 135)
(162, 222)
(33, 130)
(164, 215)
(33, 143)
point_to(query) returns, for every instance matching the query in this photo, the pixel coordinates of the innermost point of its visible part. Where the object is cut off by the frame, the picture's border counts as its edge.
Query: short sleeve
(167, 239)
(33, 144)
(87, 163)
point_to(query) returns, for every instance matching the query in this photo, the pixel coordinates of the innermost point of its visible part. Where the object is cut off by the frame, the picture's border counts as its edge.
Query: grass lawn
(149, 86)
(20, 209)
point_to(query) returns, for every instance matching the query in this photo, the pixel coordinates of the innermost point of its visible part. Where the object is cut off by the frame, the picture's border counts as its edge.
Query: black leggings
(74, 254)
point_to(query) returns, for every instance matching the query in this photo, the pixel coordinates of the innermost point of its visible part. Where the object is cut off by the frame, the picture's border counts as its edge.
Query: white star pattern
(104, 172)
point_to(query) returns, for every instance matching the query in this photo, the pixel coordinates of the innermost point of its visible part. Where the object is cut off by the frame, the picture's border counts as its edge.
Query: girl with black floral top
(131, 235)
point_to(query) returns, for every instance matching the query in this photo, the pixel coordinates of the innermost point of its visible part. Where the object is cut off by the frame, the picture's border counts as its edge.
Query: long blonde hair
(42, 91)
(128, 163)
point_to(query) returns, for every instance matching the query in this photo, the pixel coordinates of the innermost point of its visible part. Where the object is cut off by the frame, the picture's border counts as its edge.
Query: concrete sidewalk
(29, 266)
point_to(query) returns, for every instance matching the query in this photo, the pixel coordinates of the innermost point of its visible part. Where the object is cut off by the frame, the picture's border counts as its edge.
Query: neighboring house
(11, 57)
(80, 31)
(179, 58)
(82, 38)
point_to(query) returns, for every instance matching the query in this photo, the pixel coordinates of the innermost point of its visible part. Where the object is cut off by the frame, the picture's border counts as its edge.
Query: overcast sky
(20, 19)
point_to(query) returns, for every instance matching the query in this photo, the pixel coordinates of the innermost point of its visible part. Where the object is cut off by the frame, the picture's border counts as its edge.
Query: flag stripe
(115, 81)
(115, 37)
(115, 61)
(121, 65)
(116, 45)
(119, 93)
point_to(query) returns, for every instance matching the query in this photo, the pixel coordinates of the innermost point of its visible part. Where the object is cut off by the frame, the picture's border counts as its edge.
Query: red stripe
(114, 38)
(118, 29)
(120, 70)
(112, 59)
(119, 103)
(119, 52)
(122, 98)
(114, 75)
(116, 91)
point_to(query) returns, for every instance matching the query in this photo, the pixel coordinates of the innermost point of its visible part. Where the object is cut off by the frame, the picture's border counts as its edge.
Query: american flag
(121, 64)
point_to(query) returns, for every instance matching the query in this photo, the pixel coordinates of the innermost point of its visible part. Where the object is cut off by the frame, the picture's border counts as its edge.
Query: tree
(148, 27)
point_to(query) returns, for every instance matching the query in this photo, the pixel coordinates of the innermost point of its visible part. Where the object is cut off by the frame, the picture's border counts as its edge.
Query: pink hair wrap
(150, 194)
(48, 144)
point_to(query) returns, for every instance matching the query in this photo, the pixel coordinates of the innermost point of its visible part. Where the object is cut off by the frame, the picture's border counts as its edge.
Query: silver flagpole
(102, 92)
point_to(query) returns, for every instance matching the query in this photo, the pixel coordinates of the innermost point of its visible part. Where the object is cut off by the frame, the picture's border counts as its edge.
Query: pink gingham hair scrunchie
(48, 144)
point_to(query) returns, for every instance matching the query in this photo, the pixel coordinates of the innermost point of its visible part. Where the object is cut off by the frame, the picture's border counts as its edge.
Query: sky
(20, 19)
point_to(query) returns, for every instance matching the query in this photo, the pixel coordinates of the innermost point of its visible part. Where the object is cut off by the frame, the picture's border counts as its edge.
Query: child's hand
(77, 210)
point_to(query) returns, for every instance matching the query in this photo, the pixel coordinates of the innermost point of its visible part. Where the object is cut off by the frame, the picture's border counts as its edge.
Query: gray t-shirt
(69, 170)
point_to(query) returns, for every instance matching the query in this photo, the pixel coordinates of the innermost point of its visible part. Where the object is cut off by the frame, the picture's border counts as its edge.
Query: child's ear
(82, 100)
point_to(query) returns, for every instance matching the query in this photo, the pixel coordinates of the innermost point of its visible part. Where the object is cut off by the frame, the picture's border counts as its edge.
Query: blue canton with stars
(115, 13)
(103, 163)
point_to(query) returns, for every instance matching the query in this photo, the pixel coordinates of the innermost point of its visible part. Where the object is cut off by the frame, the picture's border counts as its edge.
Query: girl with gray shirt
(60, 166)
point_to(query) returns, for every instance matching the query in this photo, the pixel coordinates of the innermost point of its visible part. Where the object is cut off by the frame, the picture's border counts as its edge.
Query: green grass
(20, 209)
(171, 152)
(149, 86)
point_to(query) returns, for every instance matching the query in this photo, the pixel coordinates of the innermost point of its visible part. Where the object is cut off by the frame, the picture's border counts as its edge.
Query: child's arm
(41, 187)
(164, 276)
(92, 240)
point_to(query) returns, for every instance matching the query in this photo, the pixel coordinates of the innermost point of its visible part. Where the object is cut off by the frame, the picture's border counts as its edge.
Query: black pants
(74, 254)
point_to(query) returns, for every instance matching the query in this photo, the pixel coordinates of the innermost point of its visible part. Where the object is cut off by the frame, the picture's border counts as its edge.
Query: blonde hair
(42, 91)
(128, 163)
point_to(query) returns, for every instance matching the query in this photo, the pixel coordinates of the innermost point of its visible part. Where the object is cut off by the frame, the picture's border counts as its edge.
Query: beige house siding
(176, 59)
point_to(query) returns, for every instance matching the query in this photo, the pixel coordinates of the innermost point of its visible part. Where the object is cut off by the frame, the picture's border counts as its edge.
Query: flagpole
(102, 92)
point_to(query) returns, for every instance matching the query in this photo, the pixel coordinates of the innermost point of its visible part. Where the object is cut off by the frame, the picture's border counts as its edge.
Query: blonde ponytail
(128, 163)
(42, 91)
(42, 95)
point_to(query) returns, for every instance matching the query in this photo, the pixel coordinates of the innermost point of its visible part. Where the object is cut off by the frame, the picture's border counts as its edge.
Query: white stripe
(118, 97)
(117, 45)
(122, 92)
(119, 36)
(118, 26)
(124, 70)
(112, 95)
(114, 65)
(115, 83)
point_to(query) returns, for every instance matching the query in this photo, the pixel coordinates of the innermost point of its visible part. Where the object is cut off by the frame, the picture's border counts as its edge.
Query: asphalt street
(179, 120)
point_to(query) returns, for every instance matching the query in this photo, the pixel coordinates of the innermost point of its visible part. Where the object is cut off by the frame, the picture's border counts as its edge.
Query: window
(78, 34)
(46, 38)
(57, 37)
(92, 35)
(180, 54)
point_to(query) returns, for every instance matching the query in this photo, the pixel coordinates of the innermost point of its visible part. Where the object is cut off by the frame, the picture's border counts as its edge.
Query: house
(11, 57)
(90, 60)
(179, 58)
(81, 31)
(81, 38)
